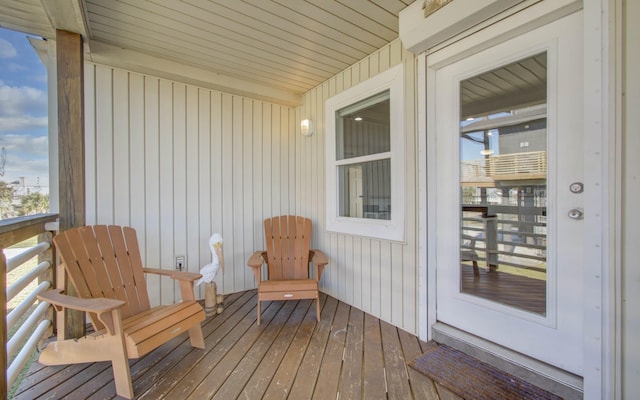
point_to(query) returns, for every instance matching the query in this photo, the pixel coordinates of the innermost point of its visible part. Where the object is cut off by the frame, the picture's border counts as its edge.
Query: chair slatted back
(288, 239)
(105, 261)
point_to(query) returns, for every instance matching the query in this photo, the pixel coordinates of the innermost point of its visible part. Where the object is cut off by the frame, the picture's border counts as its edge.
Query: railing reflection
(514, 166)
(513, 236)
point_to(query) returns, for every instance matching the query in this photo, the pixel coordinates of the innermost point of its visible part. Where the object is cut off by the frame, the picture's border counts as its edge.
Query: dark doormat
(473, 379)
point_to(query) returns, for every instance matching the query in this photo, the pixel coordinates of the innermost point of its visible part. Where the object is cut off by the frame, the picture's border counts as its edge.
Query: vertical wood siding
(178, 163)
(379, 277)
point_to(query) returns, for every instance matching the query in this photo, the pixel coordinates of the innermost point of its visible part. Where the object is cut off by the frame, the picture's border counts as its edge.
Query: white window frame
(393, 229)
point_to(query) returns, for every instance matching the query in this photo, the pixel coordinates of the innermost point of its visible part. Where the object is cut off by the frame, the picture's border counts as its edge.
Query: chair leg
(258, 311)
(318, 308)
(121, 372)
(116, 347)
(476, 271)
(196, 337)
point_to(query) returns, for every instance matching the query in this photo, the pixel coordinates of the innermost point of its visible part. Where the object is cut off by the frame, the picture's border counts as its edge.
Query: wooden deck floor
(524, 293)
(347, 355)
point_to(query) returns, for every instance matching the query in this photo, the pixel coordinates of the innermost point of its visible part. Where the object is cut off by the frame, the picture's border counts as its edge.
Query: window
(365, 147)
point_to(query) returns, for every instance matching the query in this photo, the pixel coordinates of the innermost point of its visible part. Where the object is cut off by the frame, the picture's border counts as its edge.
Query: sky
(23, 113)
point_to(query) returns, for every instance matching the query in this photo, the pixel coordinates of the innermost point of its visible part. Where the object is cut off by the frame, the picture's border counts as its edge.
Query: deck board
(351, 379)
(329, 376)
(188, 371)
(374, 379)
(347, 355)
(420, 388)
(396, 374)
(305, 382)
(286, 372)
(267, 365)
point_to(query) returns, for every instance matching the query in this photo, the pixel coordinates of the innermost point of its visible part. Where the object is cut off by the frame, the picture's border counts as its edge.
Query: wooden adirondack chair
(105, 267)
(287, 257)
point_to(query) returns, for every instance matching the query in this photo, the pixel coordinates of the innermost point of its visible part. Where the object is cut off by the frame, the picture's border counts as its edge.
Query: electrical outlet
(180, 263)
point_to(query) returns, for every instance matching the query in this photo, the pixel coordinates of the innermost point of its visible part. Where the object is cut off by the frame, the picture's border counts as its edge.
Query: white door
(508, 141)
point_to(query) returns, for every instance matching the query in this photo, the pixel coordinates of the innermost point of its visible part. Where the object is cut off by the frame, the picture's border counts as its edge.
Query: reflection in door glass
(503, 185)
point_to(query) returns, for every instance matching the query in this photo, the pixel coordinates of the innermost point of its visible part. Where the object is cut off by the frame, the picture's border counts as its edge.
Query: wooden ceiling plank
(267, 49)
(495, 81)
(27, 17)
(136, 61)
(273, 32)
(502, 103)
(26, 25)
(475, 86)
(225, 29)
(19, 7)
(527, 78)
(165, 31)
(337, 24)
(179, 16)
(299, 26)
(223, 69)
(363, 14)
(507, 76)
(172, 46)
(392, 6)
(375, 12)
(536, 68)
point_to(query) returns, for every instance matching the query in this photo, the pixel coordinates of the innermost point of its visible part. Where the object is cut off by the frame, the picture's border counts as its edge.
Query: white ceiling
(270, 49)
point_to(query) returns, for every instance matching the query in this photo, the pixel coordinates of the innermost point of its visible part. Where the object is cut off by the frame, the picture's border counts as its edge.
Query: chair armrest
(178, 275)
(319, 260)
(257, 259)
(96, 305)
(107, 310)
(317, 257)
(184, 278)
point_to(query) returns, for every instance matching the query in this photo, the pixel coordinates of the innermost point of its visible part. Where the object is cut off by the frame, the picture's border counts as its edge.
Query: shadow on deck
(347, 355)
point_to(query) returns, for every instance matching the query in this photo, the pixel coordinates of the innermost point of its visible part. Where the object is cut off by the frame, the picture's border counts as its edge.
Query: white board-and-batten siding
(377, 276)
(179, 162)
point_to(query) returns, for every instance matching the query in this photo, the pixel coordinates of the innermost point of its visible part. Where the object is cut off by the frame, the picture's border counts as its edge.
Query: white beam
(68, 15)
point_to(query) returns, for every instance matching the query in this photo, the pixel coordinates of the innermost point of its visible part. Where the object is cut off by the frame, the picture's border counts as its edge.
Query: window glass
(365, 158)
(365, 190)
(503, 184)
(363, 128)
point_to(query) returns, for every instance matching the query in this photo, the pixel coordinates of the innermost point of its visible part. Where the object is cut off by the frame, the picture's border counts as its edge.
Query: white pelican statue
(209, 273)
(210, 270)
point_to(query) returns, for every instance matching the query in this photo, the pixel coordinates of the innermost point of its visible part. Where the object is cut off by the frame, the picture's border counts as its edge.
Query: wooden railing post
(491, 240)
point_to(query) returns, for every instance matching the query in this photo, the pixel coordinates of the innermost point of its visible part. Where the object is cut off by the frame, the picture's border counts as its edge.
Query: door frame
(601, 150)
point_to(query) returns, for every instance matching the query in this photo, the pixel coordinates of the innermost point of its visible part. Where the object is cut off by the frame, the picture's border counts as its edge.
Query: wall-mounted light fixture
(306, 127)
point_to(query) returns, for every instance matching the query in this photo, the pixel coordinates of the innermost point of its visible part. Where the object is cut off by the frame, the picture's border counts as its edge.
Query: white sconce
(306, 127)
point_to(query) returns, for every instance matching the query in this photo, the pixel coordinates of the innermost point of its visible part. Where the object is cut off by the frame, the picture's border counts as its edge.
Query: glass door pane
(503, 185)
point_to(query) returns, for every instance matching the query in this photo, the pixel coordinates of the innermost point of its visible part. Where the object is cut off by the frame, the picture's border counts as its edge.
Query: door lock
(576, 213)
(576, 187)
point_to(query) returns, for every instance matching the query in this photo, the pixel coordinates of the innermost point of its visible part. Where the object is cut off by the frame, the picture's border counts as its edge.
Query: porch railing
(513, 236)
(515, 166)
(25, 273)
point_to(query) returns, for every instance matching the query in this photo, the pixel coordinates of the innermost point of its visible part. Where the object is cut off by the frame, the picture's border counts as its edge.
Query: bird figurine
(210, 270)
(213, 302)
